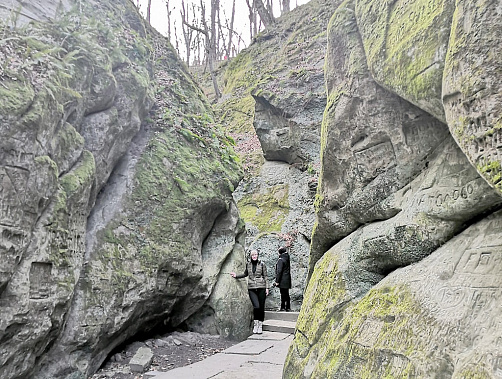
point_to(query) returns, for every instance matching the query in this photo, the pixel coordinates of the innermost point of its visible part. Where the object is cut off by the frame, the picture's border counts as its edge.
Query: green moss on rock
(80, 178)
(492, 171)
(15, 97)
(267, 211)
(406, 45)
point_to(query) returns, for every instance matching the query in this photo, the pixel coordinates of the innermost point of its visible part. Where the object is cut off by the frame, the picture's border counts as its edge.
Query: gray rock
(102, 217)
(472, 93)
(19, 12)
(404, 266)
(283, 101)
(160, 342)
(287, 187)
(141, 360)
(417, 318)
(376, 143)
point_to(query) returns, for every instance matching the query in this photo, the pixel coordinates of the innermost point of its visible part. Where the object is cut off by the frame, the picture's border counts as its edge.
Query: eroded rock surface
(274, 94)
(374, 142)
(116, 187)
(404, 257)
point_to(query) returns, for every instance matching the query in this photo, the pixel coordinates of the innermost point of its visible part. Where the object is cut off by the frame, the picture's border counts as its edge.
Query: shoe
(281, 310)
(288, 310)
(260, 327)
(255, 328)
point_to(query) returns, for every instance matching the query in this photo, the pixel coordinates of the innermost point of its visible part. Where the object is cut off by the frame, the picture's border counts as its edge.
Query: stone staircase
(281, 322)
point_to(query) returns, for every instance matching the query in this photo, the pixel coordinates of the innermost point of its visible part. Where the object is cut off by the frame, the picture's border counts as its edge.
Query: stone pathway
(260, 356)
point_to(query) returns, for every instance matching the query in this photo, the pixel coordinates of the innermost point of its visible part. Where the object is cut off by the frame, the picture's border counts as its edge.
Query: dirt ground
(170, 351)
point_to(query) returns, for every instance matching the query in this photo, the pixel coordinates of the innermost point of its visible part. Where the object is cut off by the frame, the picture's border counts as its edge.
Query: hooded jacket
(283, 271)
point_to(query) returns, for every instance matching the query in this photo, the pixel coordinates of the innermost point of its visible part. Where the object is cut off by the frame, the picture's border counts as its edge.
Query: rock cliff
(273, 102)
(116, 188)
(404, 265)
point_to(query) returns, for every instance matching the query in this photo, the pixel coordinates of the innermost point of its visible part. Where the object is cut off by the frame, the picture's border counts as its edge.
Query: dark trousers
(285, 299)
(258, 297)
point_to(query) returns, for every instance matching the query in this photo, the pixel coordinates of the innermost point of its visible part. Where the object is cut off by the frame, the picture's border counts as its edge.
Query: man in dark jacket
(283, 278)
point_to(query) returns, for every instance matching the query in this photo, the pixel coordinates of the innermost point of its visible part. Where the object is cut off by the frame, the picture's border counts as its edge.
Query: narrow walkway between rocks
(260, 356)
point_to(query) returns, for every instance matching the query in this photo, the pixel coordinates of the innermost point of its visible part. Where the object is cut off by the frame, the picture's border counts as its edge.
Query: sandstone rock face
(18, 12)
(275, 88)
(399, 287)
(290, 193)
(290, 97)
(437, 318)
(472, 93)
(374, 142)
(112, 223)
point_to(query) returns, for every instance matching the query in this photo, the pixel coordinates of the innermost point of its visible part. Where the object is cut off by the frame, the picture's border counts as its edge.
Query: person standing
(256, 271)
(283, 278)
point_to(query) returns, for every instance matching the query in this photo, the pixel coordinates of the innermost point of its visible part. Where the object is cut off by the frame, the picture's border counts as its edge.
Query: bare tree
(207, 34)
(148, 10)
(231, 31)
(253, 29)
(209, 42)
(187, 29)
(213, 32)
(168, 21)
(285, 6)
(265, 13)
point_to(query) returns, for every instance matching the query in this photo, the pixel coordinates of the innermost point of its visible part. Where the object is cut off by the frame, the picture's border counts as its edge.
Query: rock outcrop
(404, 256)
(273, 102)
(116, 188)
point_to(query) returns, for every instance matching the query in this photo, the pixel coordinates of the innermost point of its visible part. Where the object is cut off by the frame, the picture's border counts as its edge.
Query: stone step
(279, 326)
(285, 316)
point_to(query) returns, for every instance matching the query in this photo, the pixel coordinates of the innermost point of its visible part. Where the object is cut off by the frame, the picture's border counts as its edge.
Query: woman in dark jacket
(283, 278)
(256, 272)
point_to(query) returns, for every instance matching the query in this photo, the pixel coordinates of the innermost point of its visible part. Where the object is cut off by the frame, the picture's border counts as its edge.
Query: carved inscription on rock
(40, 280)
(374, 160)
(446, 197)
(474, 287)
(420, 137)
(485, 262)
(479, 136)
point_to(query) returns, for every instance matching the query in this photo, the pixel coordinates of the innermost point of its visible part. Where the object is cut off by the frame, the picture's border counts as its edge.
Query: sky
(159, 14)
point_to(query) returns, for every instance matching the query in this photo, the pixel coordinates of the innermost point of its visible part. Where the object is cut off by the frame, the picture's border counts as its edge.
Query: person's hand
(266, 291)
(276, 284)
(232, 274)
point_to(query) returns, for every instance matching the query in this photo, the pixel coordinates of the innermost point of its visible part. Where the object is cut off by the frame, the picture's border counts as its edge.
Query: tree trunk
(211, 56)
(231, 31)
(187, 31)
(168, 21)
(211, 46)
(213, 32)
(252, 19)
(285, 6)
(265, 15)
(148, 11)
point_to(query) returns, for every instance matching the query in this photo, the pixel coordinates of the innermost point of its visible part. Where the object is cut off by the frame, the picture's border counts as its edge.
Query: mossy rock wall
(404, 260)
(272, 105)
(405, 43)
(432, 319)
(116, 188)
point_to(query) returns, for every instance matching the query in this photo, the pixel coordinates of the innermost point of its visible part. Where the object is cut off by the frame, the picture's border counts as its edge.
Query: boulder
(116, 201)
(404, 267)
